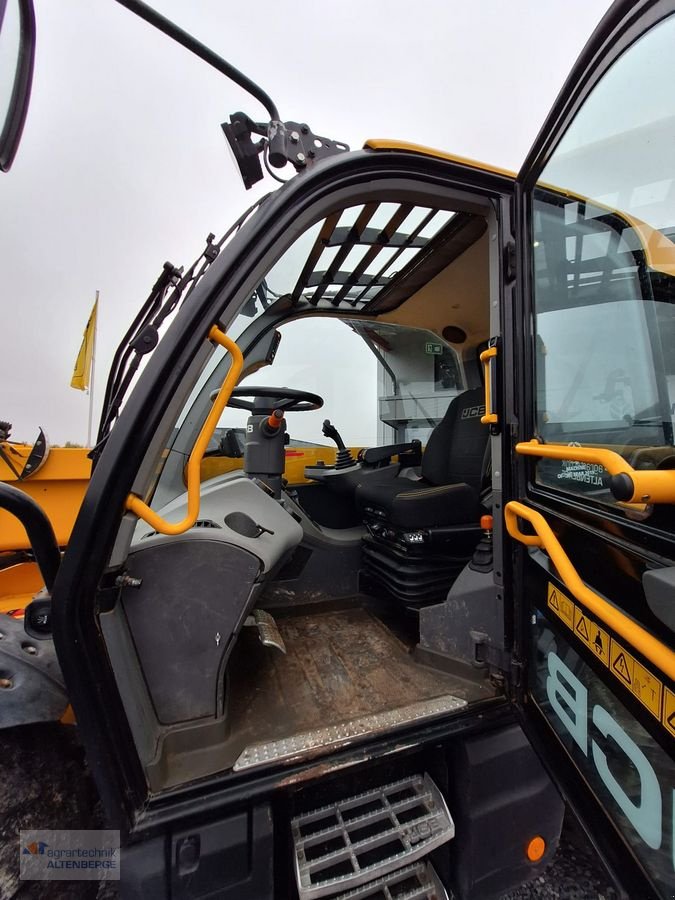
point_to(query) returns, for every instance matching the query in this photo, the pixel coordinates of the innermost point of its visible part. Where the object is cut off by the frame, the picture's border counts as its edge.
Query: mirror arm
(166, 26)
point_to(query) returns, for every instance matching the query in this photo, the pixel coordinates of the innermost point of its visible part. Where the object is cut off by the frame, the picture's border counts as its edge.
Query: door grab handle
(490, 418)
(135, 505)
(626, 483)
(651, 648)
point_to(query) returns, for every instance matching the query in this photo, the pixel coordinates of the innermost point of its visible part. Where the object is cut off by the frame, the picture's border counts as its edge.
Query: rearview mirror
(17, 54)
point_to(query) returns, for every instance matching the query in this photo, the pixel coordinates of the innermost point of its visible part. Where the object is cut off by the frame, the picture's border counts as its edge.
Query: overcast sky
(123, 164)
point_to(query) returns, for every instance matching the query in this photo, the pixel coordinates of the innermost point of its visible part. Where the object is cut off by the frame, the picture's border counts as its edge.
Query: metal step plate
(269, 633)
(417, 882)
(333, 737)
(268, 630)
(350, 843)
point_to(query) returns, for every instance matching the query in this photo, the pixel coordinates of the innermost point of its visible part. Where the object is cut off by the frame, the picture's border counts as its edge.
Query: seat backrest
(456, 447)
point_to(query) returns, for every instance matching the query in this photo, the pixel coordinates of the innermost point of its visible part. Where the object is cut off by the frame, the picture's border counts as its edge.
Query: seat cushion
(418, 504)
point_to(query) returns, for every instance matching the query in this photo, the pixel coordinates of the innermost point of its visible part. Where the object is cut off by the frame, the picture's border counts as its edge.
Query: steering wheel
(286, 399)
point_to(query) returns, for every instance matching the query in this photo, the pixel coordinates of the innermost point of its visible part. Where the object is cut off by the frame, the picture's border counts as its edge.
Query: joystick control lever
(343, 458)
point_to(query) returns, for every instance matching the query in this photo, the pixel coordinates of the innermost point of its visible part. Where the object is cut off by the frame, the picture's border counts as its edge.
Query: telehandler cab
(379, 679)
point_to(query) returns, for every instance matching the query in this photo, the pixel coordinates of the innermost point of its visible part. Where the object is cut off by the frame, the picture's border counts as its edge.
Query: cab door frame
(623, 24)
(85, 584)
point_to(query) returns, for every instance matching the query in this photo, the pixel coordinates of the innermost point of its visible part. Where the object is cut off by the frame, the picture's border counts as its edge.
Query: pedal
(268, 630)
(349, 844)
(416, 882)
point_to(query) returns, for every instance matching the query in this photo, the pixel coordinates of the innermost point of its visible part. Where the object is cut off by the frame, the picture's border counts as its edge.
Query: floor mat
(339, 666)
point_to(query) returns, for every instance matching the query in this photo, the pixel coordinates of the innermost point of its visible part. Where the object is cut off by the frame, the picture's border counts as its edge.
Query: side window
(325, 356)
(604, 274)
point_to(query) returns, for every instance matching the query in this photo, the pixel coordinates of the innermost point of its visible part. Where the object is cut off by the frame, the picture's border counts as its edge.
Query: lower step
(416, 882)
(366, 837)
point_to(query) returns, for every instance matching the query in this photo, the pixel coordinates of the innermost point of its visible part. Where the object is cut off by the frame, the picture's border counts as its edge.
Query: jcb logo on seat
(472, 411)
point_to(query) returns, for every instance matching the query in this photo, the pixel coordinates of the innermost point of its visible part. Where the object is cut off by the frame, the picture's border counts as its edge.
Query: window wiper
(172, 287)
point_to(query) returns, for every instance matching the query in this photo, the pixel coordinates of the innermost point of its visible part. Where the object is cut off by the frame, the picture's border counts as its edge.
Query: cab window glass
(381, 383)
(323, 356)
(604, 274)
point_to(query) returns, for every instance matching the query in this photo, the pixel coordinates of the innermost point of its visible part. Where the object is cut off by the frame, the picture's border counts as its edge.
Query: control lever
(343, 458)
(270, 427)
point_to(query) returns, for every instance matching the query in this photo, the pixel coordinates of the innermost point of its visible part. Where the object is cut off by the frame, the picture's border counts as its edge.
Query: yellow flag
(82, 370)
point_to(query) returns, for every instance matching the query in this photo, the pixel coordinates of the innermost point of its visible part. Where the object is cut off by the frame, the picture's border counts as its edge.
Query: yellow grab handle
(650, 647)
(135, 505)
(628, 484)
(490, 418)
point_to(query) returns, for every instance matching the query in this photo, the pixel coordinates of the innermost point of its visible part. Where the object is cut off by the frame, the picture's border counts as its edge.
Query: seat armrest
(413, 451)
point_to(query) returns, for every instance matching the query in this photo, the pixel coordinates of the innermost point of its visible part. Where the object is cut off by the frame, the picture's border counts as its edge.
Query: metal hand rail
(135, 505)
(649, 646)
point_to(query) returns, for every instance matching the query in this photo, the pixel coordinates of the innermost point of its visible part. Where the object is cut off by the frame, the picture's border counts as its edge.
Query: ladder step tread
(345, 845)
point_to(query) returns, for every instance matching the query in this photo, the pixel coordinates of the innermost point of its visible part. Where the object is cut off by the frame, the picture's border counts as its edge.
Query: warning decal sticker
(669, 711)
(622, 664)
(643, 684)
(595, 638)
(561, 605)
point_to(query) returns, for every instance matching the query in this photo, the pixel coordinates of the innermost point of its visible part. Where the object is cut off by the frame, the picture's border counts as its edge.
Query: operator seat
(448, 492)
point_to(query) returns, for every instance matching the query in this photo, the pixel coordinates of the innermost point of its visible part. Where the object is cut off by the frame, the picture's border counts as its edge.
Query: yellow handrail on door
(650, 647)
(135, 505)
(648, 485)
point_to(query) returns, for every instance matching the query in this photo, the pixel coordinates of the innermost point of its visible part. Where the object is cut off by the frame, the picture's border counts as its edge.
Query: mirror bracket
(281, 143)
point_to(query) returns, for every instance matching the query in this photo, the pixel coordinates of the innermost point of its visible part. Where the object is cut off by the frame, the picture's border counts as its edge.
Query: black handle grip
(330, 431)
(622, 487)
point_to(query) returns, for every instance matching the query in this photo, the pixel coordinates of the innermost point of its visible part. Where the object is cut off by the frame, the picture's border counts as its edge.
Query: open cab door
(592, 517)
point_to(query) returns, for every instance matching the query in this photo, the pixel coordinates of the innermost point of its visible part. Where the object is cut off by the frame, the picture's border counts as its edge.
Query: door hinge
(510, 261)
(516, 672)
(488, 655)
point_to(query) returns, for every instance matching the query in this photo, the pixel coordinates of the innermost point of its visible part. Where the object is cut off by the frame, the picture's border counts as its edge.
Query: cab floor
(339, 666)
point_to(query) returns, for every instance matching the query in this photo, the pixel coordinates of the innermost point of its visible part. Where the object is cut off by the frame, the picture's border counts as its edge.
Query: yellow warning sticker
(561, 605)
(581, 626)
(668, 718)
(621, 664)
(599, 642)
(648, 689)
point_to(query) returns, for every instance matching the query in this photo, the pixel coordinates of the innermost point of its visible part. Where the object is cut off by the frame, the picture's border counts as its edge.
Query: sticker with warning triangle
(595, 638)
(561, 605)
(645, 686)
(642, 683)
(621, 664)
(668, 718)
